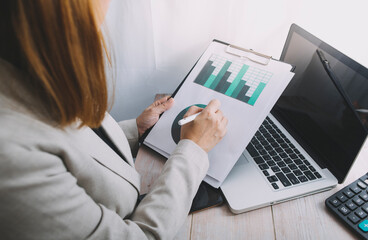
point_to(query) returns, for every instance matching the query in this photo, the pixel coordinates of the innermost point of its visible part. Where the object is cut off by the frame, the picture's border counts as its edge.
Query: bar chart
(234, 79)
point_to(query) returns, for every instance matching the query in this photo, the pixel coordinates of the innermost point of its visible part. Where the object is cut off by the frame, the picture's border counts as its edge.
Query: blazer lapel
(103, 154)
(117, 136)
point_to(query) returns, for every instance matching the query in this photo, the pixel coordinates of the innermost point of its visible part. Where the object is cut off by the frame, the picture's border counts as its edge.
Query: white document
(247, 92)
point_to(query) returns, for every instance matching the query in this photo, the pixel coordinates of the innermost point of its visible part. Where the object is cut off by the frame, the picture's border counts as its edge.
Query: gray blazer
(68, 184)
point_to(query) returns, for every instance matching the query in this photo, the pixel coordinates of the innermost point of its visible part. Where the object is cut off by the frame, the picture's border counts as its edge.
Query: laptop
(309, 141)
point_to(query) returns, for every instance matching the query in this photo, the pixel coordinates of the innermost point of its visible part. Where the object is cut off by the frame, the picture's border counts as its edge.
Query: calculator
(350, 205)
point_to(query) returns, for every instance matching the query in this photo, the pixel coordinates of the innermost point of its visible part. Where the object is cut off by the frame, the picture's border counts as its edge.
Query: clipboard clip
(248, 54)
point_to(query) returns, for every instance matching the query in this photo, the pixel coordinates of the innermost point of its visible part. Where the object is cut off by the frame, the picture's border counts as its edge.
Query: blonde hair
(59, 45)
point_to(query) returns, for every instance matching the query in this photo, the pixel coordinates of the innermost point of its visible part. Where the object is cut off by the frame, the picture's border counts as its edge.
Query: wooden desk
(303, 218)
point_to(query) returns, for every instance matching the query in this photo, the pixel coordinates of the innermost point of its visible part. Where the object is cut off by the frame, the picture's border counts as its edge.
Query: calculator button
(362, 185)
(335, 202)
(342, 197)
(364, 196)
(344, 210)
(365, 207)
(358, 201)
(360, 213)
(348, 193)
(353, 218)
(351, 205)
(364, 225)
(356, 189)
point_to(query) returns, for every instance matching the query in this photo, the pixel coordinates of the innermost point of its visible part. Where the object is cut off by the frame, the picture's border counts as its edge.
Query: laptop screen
(312, 108)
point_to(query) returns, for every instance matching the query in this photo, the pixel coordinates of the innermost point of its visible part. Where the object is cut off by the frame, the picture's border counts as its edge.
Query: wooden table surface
(303, 218)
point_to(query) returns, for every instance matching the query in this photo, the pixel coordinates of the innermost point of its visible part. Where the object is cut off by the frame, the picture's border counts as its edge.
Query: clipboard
(241, 79)
(228, 50)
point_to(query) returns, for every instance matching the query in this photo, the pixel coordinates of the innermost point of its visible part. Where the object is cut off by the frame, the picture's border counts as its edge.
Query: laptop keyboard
(279, 160)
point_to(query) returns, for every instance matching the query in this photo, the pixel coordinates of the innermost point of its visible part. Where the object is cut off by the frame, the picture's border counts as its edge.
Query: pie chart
(175, 128)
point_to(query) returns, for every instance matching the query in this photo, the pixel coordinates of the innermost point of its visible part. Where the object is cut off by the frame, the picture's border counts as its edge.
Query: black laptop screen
(312, 108)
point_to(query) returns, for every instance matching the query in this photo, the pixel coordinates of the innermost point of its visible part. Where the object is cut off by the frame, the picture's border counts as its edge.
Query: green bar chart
(233, 79)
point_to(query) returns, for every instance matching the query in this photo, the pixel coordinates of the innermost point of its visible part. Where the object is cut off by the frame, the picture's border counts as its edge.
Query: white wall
(156, 42)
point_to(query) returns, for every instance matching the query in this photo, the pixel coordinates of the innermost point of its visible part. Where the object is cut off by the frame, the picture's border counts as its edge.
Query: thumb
(164, 106)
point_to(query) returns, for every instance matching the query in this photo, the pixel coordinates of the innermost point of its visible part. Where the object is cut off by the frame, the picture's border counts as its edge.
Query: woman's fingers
(193, 110)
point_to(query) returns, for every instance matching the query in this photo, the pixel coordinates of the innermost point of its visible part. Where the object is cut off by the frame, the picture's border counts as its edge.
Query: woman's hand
(150, 115)
(208, 128)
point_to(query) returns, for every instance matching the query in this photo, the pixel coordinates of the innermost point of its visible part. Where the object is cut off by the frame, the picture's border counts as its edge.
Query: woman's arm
(40, 199)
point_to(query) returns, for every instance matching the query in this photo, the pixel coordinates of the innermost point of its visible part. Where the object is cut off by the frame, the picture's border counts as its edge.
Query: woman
(66, 168)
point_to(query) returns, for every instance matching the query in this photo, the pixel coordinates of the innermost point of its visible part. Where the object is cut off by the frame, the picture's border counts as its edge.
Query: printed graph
(233, 79)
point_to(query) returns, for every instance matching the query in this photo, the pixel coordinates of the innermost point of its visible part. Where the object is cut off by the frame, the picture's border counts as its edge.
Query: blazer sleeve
(130, 130)
(40, 199)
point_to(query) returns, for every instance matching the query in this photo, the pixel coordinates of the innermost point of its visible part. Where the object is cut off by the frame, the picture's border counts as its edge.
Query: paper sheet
(247, 92)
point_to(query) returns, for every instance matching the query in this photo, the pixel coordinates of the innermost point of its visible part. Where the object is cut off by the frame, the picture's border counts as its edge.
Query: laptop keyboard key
(272, 153)
(285, 169)
(292, 178)
(275, 186)
(258, 160)
(265, 172)
(293, 156)
(298, 162)
(293, 166)
(281, 164)
(263, 166)
(275, 169)
(283, 179)
(271, 163)
(279, 150)
(262, 152)
(303, 167)
(317, 174)
(298, 173)
(272, 178)
(288, 161)
(288, 150)
(252, 151)
(303, 178)
(268, 148)
(309, 175)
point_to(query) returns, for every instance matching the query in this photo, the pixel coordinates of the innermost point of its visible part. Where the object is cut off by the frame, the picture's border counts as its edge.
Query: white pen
(188, 119)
